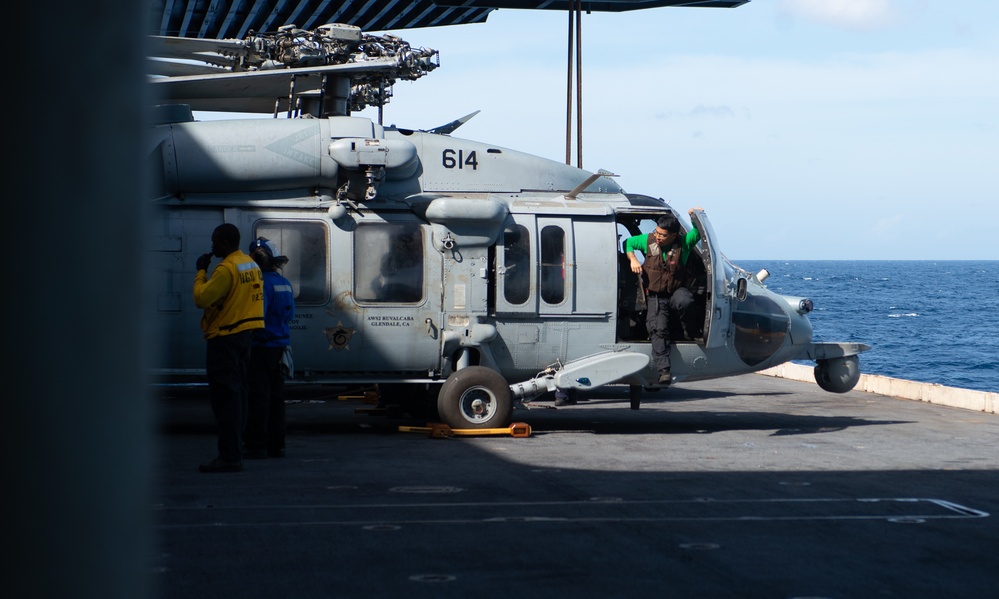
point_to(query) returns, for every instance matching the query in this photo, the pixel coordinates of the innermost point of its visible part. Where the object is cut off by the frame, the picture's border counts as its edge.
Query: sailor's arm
(208, 292)
(630, 245)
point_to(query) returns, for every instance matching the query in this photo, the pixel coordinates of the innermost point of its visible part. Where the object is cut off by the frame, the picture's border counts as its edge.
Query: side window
(517, 259)
(388, 263)
(552, 264)
(304, 243)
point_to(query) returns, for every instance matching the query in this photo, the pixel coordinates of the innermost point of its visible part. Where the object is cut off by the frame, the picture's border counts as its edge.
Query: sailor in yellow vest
(233, 301)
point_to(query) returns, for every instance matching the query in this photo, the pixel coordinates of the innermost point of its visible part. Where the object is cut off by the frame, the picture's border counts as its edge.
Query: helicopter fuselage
(415, 256)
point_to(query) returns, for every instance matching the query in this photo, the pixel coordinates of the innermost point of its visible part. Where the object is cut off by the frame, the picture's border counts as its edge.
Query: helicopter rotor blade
(169, 68)
(338, 64)
(255, 91)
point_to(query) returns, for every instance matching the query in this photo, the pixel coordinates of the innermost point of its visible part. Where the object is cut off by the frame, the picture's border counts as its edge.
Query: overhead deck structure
(220, 19)
(318, 56)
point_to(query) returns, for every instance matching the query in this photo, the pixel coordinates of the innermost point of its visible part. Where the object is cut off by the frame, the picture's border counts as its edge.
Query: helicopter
(461, 277)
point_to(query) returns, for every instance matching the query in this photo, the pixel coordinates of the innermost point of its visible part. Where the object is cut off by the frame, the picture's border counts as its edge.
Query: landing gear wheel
(475, 397)
(838, 375)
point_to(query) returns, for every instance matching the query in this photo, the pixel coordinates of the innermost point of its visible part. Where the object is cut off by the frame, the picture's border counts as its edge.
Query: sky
(806, 129)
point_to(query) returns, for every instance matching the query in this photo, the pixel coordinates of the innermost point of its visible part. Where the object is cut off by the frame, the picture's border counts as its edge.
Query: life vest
(666, 271)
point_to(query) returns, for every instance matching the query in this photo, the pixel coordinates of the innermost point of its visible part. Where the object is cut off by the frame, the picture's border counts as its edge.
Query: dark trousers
(226, 363)
(666, 312)
(265, 418)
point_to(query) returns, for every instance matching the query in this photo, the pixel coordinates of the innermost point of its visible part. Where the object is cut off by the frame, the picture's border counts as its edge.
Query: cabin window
(388, 263)
(517, 260)
(552, 264)
(304, 243)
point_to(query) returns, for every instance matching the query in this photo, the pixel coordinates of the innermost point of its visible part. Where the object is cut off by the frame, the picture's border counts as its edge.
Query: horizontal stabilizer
(829, 350)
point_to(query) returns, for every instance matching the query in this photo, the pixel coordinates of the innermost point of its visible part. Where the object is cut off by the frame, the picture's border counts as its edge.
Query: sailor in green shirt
(666, 279)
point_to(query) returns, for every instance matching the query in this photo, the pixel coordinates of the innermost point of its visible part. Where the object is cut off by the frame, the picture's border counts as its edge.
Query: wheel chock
(517, 429)
(369, 397)
(436, 430)
(440, 431)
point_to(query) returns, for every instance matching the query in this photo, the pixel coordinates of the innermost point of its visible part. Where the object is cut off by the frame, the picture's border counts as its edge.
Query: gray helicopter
(459, 276)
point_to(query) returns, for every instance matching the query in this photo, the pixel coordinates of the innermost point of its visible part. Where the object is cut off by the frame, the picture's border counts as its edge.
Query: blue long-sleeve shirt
(279, 310)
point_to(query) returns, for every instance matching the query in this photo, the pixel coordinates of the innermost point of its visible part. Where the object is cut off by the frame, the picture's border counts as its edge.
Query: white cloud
(889, 226)
(854, 14)
(699, 111)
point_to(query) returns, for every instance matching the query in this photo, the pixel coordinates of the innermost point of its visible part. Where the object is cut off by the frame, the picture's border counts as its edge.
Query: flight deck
(749, 486)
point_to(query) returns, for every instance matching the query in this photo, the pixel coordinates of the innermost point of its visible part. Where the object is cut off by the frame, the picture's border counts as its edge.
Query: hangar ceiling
(234, 19)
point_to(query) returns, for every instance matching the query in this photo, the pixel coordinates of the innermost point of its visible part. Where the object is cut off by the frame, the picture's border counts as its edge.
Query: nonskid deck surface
(744, 487)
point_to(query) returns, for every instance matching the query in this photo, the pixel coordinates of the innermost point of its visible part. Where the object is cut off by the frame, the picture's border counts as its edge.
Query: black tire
(838, 375)
(475, 397)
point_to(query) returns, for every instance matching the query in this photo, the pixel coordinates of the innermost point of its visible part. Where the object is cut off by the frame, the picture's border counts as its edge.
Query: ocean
(927, 321)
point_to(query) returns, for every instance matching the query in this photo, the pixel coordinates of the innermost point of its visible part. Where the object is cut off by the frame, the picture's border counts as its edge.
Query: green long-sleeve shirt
(640, 242)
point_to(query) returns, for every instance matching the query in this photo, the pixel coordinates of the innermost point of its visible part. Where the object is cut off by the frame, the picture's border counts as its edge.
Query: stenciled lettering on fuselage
(298, 325)
(459, 159)
(390, 321)
(232, 149)
(285, 147)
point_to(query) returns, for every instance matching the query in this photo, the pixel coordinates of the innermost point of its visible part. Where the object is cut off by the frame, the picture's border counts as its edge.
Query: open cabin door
(710, 287)
(717, 313)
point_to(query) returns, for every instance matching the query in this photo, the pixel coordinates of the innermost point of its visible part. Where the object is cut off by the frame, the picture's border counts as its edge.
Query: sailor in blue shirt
(269, 357)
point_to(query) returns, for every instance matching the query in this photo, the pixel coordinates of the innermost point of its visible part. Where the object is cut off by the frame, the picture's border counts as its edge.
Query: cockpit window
(760, 328)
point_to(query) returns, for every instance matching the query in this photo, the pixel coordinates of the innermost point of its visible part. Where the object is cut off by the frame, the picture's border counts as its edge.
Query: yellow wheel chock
(369, 397)
(441, 431)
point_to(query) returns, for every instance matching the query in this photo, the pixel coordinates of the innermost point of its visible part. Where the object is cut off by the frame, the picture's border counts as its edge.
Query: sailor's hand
(636, 267)
(203, 261)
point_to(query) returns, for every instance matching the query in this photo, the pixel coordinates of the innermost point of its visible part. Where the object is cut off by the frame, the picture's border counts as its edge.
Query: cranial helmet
(269, 249)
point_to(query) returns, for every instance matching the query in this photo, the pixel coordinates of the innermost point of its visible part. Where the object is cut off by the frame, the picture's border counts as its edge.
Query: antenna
(589, 180)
